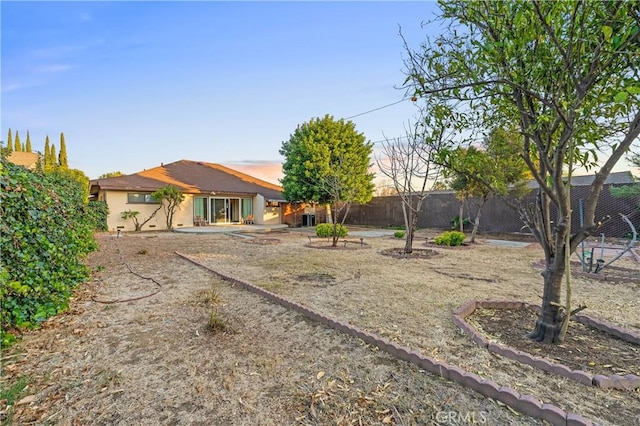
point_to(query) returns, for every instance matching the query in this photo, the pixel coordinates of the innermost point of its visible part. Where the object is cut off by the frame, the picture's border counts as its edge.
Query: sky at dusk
(136, 84)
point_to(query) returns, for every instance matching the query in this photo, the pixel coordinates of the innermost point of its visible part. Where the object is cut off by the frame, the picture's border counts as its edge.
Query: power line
(390, 139)
(377, 109)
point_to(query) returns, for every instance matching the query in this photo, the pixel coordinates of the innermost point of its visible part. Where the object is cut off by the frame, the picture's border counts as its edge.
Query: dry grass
(153, 361)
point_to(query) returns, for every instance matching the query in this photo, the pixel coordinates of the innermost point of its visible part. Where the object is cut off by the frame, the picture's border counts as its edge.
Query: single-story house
(214, 194)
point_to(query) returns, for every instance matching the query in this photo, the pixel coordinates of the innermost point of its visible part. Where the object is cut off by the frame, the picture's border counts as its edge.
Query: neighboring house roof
(195, 177)
(615, 178)
(24, 159)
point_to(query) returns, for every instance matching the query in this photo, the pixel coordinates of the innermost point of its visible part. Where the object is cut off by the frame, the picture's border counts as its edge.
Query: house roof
(194, 177)
(24, 159)
(615, 178)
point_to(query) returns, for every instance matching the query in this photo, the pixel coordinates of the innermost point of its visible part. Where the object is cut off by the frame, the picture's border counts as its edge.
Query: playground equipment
(600, 263)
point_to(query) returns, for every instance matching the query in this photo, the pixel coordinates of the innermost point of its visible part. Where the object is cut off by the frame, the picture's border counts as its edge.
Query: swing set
(588, 260)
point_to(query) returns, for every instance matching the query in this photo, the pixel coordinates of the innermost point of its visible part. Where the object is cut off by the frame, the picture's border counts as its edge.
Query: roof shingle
(191, 177)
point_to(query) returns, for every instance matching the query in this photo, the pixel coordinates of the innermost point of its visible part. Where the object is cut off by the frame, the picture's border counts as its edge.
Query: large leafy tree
(466, 164)
(110, 174)
(567, 73)
(327, 161)
(493, 169)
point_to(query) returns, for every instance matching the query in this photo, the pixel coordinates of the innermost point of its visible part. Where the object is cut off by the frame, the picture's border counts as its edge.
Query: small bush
(325, 230)
(455, 222)
(399, 234)
(450, 238)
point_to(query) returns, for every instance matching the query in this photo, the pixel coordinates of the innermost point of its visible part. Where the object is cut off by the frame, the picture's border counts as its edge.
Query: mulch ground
(154, 360)
(584, 348)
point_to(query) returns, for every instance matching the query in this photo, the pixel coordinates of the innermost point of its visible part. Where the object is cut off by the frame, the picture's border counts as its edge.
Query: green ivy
(45, 233)
(97, 213)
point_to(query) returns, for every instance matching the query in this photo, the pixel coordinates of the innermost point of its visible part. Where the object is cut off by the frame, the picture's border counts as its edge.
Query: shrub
(450, 238)
(44, 236)
(399, 234)
(455, 222)
(325, 230)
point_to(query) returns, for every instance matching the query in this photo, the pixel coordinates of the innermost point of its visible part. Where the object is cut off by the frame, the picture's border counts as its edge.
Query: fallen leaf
(26, 400)
(320, 375)
(387, 420)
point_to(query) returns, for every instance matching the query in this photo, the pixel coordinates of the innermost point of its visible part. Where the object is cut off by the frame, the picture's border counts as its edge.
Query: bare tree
(410, 163)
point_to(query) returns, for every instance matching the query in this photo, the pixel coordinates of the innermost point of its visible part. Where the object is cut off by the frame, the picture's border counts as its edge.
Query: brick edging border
(526, 404)
(629, 381)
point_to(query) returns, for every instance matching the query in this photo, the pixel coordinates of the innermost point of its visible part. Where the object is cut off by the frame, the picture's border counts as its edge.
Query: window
(140, 198)
(200, 207)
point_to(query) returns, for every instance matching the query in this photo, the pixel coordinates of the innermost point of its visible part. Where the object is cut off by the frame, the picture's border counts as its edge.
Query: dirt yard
(137, 347)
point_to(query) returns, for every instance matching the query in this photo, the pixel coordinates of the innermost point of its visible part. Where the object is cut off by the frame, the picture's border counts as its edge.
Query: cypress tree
(9, 142)
(62, 157)
(27, 146)
(17, 145)
(47, 153)
(53, 164)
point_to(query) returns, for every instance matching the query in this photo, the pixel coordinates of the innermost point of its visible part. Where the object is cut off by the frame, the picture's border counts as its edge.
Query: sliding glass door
(223, 210)
(220, 209)
(200, 210)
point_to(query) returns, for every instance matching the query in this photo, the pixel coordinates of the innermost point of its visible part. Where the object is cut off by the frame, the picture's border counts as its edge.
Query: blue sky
(134, 84)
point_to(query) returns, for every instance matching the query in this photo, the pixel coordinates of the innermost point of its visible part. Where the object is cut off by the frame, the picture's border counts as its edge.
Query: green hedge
(45, 232)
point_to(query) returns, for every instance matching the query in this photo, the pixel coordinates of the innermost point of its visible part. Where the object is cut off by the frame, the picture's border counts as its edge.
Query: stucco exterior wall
(271, 216)
(117, 202)
(263, 214)
(258, 206)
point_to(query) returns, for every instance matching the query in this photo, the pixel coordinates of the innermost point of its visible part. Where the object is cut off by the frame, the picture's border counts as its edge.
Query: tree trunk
(335, 237)
(408, 244)
(329, 216)
(549, 321)
(476, 222)
(460, 219)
